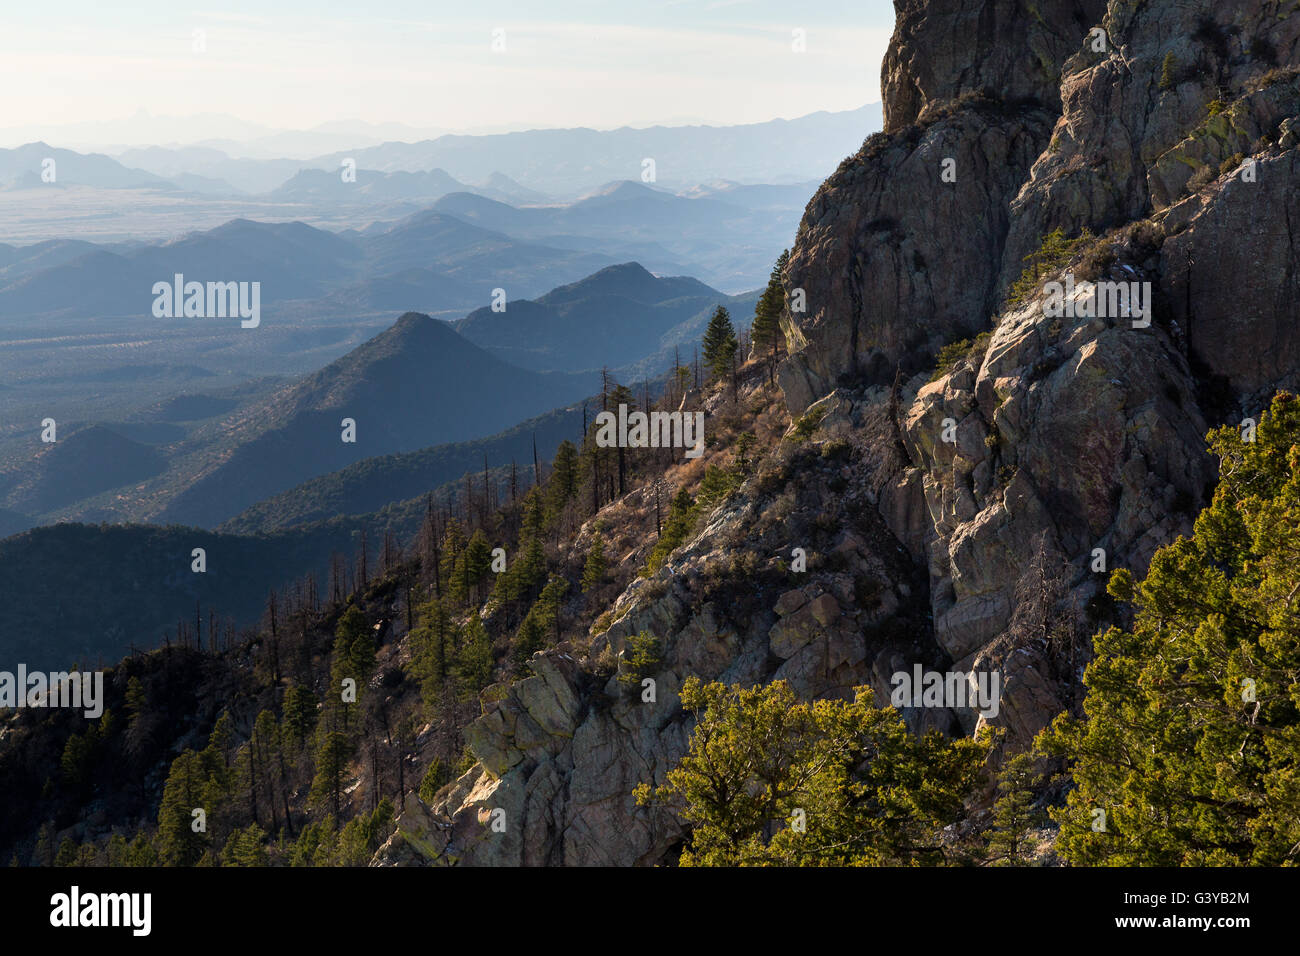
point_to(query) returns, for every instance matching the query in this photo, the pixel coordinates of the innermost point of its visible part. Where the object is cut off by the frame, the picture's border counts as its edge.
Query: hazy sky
(297, 63)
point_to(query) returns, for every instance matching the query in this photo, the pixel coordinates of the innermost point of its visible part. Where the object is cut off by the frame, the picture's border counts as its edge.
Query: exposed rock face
(885, 279)
(1080, 436)
(1013, 50)
(561, 752)
(1136, 124)
(1087, 430)
(1232, 278)
(1083, 428)
(922, 506)
(971, 93)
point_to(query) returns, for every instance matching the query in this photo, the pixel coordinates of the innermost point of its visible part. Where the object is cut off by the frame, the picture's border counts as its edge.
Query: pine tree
(529, 569)
(1187, 750)
(562, 487)
(766, 329)
(299, 714)
(1014, 813)
(453, 547)
(744, 445)
(354, 645)
(360, 838)
(334, 748)
(475, 661)
(432, 655)
(67, 855)
(593, 572)
(137, 701)
(218, 790)
(118, 851)
(549, 604)
(246, 847)
(78, 756)
(1169, 71)
(682, 515)
(771, 780)
(529, 638)
(477, 564)
(141, 852)
(720, 343)
(178, 842)
(317, 845)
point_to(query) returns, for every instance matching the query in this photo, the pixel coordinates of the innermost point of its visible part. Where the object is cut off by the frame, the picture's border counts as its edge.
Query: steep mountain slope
(78, 466)
(1071, 441)
(956, 511)
(417, 384)
(375, 483)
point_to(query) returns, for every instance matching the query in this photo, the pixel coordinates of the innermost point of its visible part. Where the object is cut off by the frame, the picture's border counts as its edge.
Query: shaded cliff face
(1074, 441)
(942, 49)
(1176, 142)
(893, 253)
(888, 275)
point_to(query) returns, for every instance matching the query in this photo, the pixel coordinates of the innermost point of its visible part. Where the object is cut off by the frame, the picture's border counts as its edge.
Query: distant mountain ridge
(291, 261)
(567, 161)
(371, 186)
(611, 318)
(20, 163)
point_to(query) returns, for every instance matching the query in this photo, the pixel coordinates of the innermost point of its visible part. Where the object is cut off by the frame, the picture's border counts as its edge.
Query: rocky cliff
(1164, 133)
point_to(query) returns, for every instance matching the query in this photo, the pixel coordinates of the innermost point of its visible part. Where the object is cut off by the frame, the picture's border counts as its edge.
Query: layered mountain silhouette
(417, 384)
(19, 260)
(400, 186)
(613, 318)
(457, 260)
(703, 233)
(616, 209)
(369, 185)
(565, 161)
(291, 260)
(70, 168)
(243, 174)
(203, 459)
